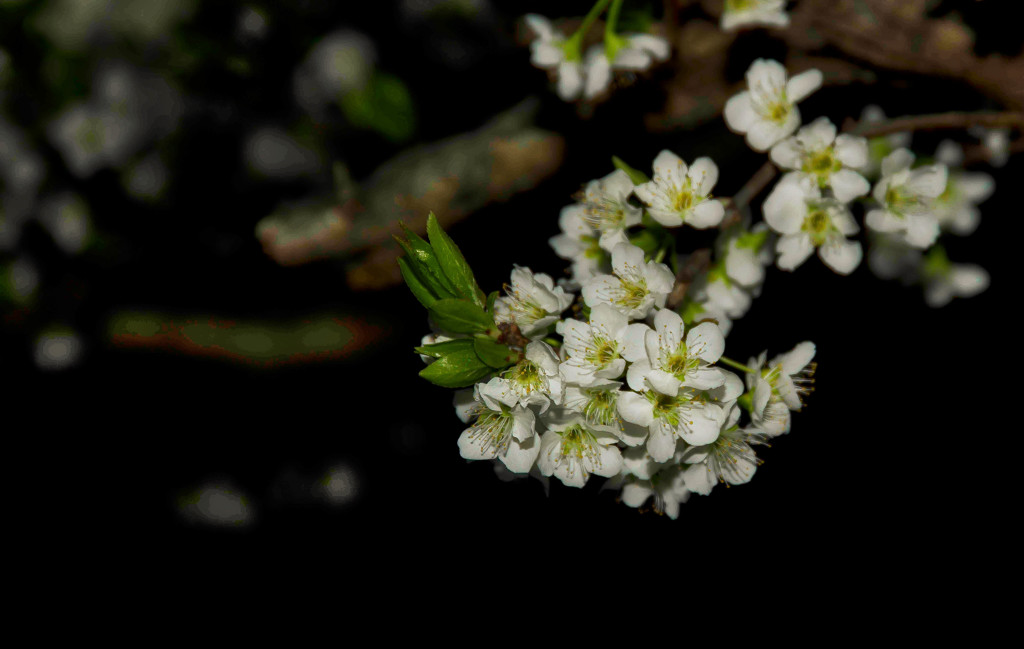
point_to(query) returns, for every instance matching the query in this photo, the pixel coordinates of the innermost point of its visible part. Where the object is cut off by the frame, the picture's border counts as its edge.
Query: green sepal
(460, 316)
(746, 401)
(457, 364)
(415, 284)
(638, 177)
(453, 263)
(493, 353)
(490, 301)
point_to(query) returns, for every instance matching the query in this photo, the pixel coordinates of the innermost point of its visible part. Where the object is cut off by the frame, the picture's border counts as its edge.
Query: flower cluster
(589, 74)
(618, 370)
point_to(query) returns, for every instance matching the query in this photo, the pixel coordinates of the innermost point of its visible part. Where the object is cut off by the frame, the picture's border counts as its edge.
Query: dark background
(901, 449)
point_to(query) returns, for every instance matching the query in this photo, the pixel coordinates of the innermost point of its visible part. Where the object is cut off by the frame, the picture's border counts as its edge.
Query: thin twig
(941, 121)
(695, 264)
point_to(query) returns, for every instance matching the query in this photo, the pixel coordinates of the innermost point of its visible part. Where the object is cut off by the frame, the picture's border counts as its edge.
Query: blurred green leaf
(638, 177)
(383, 105)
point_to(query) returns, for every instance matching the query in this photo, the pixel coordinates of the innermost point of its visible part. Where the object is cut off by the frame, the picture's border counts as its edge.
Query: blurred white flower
(907, 199)
(742, 13)
(551, 51)
(817, 151)
(766, 112)
(632, 52)
(796, 210)
(606, 208)
(532, 302)
(680, 194)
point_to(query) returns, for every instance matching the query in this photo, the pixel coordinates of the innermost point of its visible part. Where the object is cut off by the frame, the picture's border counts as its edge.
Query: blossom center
(822, 164)
(600, 409)
(526, 375)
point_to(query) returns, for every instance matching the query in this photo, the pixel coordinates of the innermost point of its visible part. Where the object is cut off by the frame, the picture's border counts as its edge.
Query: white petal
(847, 185)
(700, 429)
(609, 462)
(699, 479)
(798, 358)
(704, 174)
(662, 442)
(664, 382)
(898, 160)
(785, 208)
(928, 181)
(570, 80)
(739, 112)
(521, 455)
(627, 259)
(793, 250)
(670, 167)
(634, 495)
(968, 279)
(633, 348)
(803, 85)
(787, 154)
(852, 151)
(706, 214)
(843, 256)
(706, 342)
(635, 408)
(668, 325)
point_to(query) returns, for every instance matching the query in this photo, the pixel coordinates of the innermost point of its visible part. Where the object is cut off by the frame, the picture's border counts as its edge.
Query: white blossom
(729, 459)
(579, 243)
(907, 199)
(595, 349)
(572, 451)
(741, 13)
(551, 51)
(632, 52)
(597, 403)
(766, 112)
(829, 159)
(796, 210)
(667, 488)
(778, 388)
(881, 146)
(687, 416)
(606, 208)
(535, 380)
(956, 207)
(680, 194)
(944, 280)
(746, 257)
(501, 428)
(672, 361)
(636, 287)
(533, 302)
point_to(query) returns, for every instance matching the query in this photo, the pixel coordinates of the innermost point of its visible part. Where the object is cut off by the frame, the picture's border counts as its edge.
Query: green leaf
(416, 285)
(457, 364)
(453, 263)
(423, 260)
(493, 353)
(437, 350)
(638, 177)
(490, 301)
(646, 240)
(460, 316)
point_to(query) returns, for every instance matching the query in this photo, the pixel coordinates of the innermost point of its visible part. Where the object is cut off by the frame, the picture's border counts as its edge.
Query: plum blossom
(778, 388)
(831, 160)
(595, 349)
(729, 459)
(680, 194)
(606, 208)
(552, 51)
(746, 256)
(907, 199)
(579, 243)
(535, 379)
(672, 361)
(766, 112)
(687, 416)
(636, 287)
(632, 52)
(796, 210)
(944, 280)
(533, 302)
(597, 403)
(572, 451)
(501, 429)
(956, 207)
(667, 488)
(741, 13)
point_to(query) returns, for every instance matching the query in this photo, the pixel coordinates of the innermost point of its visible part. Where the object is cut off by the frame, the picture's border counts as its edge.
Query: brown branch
(940, 121)
(695, 264)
